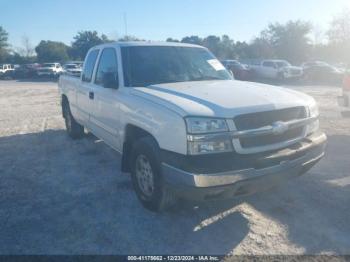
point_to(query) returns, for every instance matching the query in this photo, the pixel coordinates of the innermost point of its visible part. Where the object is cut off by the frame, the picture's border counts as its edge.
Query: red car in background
(240, 71)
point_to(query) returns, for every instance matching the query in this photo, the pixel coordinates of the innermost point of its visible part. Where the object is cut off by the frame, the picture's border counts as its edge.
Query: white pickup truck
(276, 69)
(184, 127)
(50, 69)
(6, 70)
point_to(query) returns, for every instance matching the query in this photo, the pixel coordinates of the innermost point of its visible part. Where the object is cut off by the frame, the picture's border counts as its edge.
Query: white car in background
(50, 70)
(72, 69)
(6, 70)
(277, 69)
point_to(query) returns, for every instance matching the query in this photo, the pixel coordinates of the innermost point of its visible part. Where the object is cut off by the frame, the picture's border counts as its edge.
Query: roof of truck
(146, 43)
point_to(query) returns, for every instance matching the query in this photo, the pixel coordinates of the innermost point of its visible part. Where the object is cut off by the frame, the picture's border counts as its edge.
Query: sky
(157, 19)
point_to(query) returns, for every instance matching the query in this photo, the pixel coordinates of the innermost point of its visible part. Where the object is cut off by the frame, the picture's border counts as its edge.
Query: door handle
(91, 95)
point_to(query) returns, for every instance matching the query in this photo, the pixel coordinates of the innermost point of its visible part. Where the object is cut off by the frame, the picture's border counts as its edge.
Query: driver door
(105, 116)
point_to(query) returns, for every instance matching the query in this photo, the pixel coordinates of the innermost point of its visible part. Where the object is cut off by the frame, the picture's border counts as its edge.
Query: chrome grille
(267, 118)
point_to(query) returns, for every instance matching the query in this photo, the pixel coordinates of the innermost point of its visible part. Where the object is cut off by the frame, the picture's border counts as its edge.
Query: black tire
(160, 198)
(74, 129)
(281, 76)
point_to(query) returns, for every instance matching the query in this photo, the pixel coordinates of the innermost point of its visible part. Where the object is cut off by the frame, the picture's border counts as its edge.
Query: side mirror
(110, 80)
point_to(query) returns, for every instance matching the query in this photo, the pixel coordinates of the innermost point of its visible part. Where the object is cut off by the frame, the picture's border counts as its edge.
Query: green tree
(50, 51)
(241, 50)
(226, 48)
(223, 48)
(339, 31)
(169, 39)
(289, 41)
(3, 44)
(85, 40)
(260, 48)
(213, 43)
(16, 58)
(129, 38)
(339, 38)
(195, 40)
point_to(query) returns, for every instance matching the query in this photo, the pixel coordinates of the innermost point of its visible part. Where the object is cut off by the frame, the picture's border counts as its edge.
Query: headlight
(313, 110)
(315, 125)
(199, 125)
(207, 136)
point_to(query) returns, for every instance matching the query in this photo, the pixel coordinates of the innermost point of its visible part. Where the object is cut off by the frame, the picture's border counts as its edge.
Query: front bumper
(278, 166)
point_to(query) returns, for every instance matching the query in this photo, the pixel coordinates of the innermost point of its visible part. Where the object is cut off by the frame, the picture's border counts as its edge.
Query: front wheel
(147, 177)
(281, 76)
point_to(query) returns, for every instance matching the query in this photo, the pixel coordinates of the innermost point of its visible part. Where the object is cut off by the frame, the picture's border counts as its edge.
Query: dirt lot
(59, 196)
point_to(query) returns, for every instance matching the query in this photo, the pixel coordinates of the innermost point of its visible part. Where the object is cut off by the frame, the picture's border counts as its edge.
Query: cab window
(107, 68)
(89, 66)
(269, 64)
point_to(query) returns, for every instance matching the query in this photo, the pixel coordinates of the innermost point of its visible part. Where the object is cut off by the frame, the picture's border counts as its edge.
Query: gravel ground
(59, 196)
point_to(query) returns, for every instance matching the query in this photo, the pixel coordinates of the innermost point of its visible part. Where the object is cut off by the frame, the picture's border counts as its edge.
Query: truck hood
(222, 98)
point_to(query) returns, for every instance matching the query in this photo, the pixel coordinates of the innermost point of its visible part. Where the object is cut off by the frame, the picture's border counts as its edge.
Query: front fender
(165, 125)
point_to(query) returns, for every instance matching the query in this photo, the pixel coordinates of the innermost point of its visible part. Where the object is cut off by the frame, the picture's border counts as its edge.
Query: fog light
(209, 147)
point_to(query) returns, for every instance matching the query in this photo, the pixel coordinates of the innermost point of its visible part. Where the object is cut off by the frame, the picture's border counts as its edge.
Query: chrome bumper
(312, 153)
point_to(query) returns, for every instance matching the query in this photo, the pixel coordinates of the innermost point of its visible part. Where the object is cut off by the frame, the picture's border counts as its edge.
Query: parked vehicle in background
(240, 71)
(276, 69)
(78, 63)
(309, 64)
(344, 100)
(322, 73)
(26, 71)
(6, 71)
(184, 127)
(50, 70)
(342, 67)
(72, 69)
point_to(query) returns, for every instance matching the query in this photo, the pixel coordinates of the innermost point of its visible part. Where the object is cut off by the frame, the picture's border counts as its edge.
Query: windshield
(48, 65)
(148, 65)
(282, 63)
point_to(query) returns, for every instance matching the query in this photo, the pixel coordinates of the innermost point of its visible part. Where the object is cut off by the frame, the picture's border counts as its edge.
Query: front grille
(271, 139)
(261, 119)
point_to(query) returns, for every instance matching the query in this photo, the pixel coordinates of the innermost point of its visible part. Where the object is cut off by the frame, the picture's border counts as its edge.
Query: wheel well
(132, 134)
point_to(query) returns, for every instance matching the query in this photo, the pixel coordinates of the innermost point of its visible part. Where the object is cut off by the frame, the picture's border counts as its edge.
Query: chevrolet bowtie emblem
(279, 128)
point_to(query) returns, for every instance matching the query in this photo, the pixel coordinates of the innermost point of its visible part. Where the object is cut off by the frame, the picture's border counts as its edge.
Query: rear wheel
(147, 177)
(74, 129)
